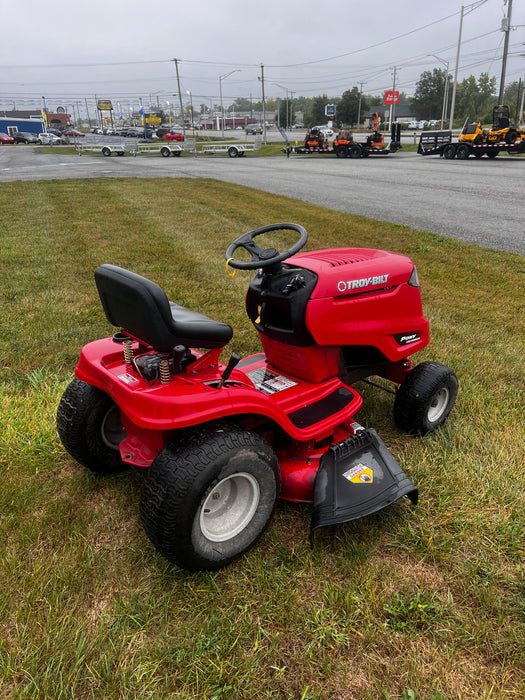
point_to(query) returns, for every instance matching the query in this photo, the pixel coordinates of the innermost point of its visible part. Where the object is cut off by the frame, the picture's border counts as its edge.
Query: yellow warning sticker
(360, 475)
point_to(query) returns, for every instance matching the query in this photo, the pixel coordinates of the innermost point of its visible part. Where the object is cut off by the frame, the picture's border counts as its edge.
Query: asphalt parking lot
(476, 200)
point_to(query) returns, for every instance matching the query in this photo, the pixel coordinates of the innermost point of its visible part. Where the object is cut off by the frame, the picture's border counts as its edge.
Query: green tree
(348, 107)
(476, 98)
(427, 102)
(512, 97)
(242, 104)
(314, 111)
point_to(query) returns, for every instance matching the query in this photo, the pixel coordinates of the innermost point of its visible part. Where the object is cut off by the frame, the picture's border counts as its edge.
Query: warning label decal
(360, 475)
(268, 382)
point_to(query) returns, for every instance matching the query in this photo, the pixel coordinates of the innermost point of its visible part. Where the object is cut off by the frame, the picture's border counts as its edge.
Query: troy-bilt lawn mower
(221, 443)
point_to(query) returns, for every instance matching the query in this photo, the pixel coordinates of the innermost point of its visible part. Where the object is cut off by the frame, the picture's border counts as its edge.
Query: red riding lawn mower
(222, 443)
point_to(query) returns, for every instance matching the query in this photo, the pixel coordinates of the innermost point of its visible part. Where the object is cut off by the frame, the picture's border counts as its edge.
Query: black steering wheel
(268, 256)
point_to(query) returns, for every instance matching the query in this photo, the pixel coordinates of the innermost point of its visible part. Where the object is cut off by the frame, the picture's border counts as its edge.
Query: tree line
(475, 99)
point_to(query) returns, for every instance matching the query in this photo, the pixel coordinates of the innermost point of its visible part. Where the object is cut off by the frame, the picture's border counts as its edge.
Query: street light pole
(287, 125)
(221, 78)
(188, 92)
(445, 91)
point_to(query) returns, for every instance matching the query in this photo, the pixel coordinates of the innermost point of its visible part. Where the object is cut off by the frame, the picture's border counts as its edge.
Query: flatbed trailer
(234, 150)
(344, 145)
(440, 143)
(105, 148)
(165, 149)
(355, 150)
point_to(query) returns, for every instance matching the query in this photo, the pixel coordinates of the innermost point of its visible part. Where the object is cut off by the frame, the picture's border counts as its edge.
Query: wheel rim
(111, 429)
(438, 404)
(229, 507)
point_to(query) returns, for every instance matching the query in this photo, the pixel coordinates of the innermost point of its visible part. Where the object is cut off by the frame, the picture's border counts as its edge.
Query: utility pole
(359, 107)
(505, 27)
(176, 61)
(468, 9)
(263, 103)
(393, 99)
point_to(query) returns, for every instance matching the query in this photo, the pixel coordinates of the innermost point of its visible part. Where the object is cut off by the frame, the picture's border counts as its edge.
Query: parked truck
(476, 141)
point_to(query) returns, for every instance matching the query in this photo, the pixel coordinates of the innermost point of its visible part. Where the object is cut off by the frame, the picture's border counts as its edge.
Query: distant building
(31, 120)
(402, 113)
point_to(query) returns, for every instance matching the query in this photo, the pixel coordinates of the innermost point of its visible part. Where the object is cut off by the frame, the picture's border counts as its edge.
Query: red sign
(391, 97)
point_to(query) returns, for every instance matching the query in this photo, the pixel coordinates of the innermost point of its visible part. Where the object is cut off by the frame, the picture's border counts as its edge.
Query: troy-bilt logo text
(347, 286)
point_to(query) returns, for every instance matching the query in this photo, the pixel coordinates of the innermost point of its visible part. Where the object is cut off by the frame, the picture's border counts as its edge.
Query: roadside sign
(391, 97)
(329, 110)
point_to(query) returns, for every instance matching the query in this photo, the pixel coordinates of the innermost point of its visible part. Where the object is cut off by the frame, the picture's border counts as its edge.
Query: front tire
(209, 498)
(425, 398)
(90, 427)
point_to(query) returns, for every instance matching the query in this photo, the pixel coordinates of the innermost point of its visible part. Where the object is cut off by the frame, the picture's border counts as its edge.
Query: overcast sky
(123, 50)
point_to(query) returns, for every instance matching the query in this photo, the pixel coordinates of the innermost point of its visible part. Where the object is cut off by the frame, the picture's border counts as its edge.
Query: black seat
(141, 308)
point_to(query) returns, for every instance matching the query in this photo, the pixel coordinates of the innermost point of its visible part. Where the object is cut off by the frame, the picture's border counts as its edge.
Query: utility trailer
(106, 148)
(165, 149)
(440, 143)
(355, 150)
(344, 145)
(234, 150)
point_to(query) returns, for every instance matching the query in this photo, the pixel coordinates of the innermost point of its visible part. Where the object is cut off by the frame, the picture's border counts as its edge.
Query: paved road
(479, 201)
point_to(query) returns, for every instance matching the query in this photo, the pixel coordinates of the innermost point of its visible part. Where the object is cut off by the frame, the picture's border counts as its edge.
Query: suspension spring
(128, 351)
(164, 370)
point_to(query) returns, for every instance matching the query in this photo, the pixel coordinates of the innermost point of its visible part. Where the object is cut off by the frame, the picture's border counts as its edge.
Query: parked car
(25, 137)
(5, 138)
(253, 129)
(73, 133)
(138, 132)
(49, 139)
(173, 137)
(417, 124)
(326, 130)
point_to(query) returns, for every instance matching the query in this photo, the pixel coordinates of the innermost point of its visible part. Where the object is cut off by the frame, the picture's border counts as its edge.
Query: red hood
(344, 271)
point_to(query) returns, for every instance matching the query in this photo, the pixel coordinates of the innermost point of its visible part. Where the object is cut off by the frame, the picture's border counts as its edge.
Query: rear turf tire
(90, 427)
(209, 497)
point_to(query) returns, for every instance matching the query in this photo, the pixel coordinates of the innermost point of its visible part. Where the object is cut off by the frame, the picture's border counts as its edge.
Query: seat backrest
(136, 305)
(142, 309)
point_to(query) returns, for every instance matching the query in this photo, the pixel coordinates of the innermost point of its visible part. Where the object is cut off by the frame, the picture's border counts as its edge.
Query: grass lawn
(424, 602)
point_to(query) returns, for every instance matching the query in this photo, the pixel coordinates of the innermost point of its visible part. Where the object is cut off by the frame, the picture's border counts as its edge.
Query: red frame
(362, 297)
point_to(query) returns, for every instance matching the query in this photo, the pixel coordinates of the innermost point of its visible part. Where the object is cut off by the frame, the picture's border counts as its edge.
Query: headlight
(414, 279)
